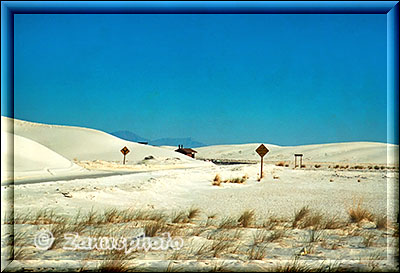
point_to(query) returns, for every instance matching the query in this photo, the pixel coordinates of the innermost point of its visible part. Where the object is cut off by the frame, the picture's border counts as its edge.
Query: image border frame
(390, 8)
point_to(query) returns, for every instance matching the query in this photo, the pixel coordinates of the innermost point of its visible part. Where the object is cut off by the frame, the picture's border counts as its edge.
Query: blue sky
(281, 79)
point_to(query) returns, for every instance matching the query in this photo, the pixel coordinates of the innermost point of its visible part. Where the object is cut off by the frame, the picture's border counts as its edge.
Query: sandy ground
(169, 183)
(279, 194)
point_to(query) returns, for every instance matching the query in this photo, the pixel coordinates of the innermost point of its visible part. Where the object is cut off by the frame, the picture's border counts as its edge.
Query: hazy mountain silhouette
(128, 135)
(186, 142)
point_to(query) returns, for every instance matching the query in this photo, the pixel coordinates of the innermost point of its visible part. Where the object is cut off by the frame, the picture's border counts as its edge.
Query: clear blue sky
(281, 79)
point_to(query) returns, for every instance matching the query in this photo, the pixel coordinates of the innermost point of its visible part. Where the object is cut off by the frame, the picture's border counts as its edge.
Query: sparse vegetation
(368, 239)
(381, 222)
(151, 229)
(299, 215)
(217, 180)
(193, 213)
(237, 237)
(246, 218)
(257, 252)
(237, 180)
(280, 164)
(180, 217)
(357, 213)
(228, 222)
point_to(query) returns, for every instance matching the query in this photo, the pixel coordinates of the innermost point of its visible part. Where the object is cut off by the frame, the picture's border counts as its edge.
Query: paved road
(68, 178)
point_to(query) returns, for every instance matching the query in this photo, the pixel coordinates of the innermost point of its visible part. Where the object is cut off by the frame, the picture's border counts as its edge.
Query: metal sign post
(125, 151)
(262, 151)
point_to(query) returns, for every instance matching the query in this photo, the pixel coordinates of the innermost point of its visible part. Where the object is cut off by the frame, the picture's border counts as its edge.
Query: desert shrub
(336, 166)
(376, 167)
(302, 166)
(317, 166)
(280, 164)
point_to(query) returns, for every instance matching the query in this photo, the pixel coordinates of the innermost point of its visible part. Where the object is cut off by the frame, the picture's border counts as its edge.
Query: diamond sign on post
(125, 151)
(262, 151)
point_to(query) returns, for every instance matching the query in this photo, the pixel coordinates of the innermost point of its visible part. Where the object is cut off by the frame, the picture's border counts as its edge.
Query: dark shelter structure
(185, 151)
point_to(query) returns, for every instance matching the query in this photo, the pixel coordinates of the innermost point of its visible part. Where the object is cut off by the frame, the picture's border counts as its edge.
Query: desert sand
(335, 178)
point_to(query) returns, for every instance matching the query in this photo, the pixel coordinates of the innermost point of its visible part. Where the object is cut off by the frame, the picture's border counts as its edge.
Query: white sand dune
(354, 152)
(88, 144)
(42, 150)
(32, 159)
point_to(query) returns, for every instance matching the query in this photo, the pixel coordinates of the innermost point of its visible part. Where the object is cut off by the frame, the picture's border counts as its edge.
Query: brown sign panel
(262, 150)
(125, 150)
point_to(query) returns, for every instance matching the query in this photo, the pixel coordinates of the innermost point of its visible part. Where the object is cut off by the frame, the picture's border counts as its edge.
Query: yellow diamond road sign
(125, 150)
(262, 150)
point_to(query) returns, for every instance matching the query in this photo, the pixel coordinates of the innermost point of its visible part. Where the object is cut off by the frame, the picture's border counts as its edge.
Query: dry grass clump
(217, 180)
(304, 218)
(246, 218)
(257, 252)
(180, 217)
(280, 164)
(312, 219)
(210, 219)
(41, 217)
(332, 222)
(260, 236)
(115, 261)
(220, 246)
(271, 223)
(299, 215)
(317, 166)
(358, 167)
(237, 180)
(368, 239)
(381, 222)
(193, 213)
(228, 222)
(357, 213)
(293, 266)
(302, 166)
(152, 228)
(276, 234)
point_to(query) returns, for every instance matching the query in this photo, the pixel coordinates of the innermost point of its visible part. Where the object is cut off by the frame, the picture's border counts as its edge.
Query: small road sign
(125, 151)
(262, 151)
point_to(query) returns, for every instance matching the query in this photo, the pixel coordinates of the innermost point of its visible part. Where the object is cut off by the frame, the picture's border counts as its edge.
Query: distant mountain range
(186, 142)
